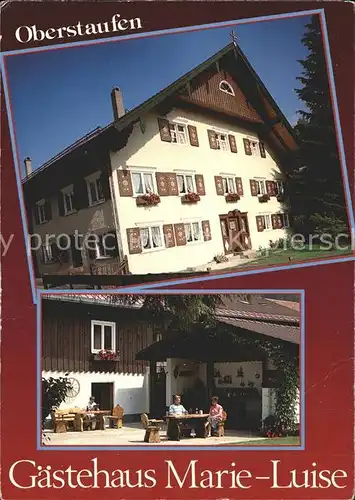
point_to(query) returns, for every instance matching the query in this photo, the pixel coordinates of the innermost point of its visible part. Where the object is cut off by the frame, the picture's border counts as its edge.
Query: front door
(103, 394)
(157, 399)
(235, 232)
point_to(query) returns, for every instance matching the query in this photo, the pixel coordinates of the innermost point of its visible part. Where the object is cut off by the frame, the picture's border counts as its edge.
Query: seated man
(216, 415)
(177, 408)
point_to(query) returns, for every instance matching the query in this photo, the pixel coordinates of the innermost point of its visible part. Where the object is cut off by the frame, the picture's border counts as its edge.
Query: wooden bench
(62, 418)
(116, 416)
(152, 429)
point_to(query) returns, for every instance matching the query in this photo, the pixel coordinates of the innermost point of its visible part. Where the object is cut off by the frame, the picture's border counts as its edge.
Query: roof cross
(234, 37)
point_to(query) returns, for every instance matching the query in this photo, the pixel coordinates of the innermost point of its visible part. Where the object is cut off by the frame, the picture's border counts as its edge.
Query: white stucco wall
(179, 384)
(131, 391)
(252, 373)
(147, 152)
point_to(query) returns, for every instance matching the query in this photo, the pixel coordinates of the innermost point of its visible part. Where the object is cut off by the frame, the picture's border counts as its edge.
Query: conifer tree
(317, 193)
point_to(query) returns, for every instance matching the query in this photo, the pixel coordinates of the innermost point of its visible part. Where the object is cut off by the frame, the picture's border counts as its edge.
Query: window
(228, 185)
(48, 252)
(285, 220)
(102, 246)
(279, 188)
(151, 238)
(185, 183)
(142, 183)
(41, 211)
(103, 336)
(266, 221)
(226, 87)
(222, 143)
(68, 200)
(193, 232)
(260, 186)
(95, 192)
(178, 133)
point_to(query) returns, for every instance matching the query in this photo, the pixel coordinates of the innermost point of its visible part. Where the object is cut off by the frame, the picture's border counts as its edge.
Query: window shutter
(200, 184)
(61, 204)
(180, 236)
(35, 214)
(162, 183)
(206, 229)
(193, 135)
(280, 222)
(212, 139)
(81, 198)
(270, 188)
(253, 187)
(232, 144)
(239, 185)
(259, 223)
(247, 147)
(173, 189)
(124, 183)
(164, 130)
(219, 185)
(274, 221)
(262, 150)
(48, 210)
(169, 237)
(134, 240)
(105, 185)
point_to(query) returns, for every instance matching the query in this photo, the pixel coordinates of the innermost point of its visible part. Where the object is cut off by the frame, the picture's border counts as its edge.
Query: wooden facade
(66, 337)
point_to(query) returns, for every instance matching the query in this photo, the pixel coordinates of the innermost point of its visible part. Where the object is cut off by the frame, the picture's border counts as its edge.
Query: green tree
(54, 392)
(316, 189)
(177, 311)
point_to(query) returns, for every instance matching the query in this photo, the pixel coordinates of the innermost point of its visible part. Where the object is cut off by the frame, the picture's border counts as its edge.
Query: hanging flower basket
(106, 355)
(148, 199)
(232, 197)
(264, 198)
(190, 198)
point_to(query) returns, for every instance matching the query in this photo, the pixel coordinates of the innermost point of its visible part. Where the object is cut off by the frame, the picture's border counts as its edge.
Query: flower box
(147, 199)
(106, 355)
(232, 197)
(190, 198)
(280, 197)
(264, 198)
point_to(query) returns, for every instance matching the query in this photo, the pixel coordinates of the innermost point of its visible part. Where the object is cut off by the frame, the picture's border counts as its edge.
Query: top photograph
(180, 155)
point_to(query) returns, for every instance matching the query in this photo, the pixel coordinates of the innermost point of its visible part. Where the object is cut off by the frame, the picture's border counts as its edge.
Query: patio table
(178, 425)
(100, 419)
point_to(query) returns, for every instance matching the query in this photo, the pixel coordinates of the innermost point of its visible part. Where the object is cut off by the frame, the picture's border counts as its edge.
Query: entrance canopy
(201, 346)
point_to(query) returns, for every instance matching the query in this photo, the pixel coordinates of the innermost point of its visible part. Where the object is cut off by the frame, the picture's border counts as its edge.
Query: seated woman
(216, 415)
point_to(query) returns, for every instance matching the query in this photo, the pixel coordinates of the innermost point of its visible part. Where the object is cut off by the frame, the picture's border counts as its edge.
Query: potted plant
(232, 197)
(264, 198)
(148, 199)
(190, 198)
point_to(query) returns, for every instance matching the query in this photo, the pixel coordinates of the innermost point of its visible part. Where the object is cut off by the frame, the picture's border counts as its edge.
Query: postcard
(177, 244)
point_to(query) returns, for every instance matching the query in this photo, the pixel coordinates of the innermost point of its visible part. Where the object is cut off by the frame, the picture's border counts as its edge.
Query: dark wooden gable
(204, 91)
(66, 337)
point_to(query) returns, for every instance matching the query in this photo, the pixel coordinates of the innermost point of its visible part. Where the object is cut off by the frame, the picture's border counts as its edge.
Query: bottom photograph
(187, 369)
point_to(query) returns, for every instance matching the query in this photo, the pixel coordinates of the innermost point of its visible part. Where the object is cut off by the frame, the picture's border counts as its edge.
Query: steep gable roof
(262, 107)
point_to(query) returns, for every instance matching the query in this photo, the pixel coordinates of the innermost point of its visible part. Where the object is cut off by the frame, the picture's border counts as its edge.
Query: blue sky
(60, 95)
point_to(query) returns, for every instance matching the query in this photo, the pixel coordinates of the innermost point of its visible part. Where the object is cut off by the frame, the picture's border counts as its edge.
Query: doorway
(157, 389)
(76, 253)
(235, 232)
(103, 394)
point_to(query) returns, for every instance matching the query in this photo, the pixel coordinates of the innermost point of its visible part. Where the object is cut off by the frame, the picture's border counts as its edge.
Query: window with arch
(226, 87)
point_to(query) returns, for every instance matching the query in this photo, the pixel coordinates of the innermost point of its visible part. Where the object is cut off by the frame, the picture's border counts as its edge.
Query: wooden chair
(152, 429)
(220, 427)
(62, 419)
(117, 416)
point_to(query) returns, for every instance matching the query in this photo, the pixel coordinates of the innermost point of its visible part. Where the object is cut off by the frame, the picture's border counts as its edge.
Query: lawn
(291, 256)
(282, 441)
